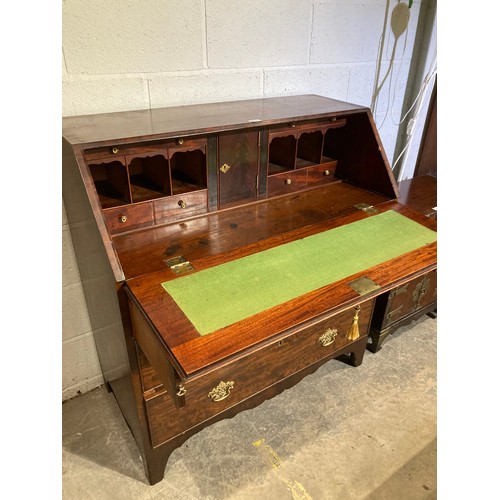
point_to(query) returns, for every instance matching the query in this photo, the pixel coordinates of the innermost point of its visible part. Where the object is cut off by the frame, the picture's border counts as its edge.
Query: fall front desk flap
(230, 292)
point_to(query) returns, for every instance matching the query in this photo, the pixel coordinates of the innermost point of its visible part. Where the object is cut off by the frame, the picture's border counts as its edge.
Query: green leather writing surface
(222, 295)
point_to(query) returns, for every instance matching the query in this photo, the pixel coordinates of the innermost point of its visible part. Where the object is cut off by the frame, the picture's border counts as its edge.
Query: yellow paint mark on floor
(297, 490)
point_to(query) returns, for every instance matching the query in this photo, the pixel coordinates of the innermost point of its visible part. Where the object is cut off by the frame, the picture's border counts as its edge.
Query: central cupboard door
(237, 166)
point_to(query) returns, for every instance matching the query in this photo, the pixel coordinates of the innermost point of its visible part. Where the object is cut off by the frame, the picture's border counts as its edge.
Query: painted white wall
(134, 54)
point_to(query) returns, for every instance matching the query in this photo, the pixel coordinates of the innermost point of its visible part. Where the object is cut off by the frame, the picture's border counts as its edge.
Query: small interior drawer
(298, 128)
(321, 174)
(180, 206)
(124, 149)
(128, 217)
(286, 183)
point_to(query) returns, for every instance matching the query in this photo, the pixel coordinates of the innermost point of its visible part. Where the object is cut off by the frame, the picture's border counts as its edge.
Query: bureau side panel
(101, 294)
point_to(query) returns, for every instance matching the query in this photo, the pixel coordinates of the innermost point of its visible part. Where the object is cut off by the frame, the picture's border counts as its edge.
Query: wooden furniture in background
(427, 155)
(417, 297)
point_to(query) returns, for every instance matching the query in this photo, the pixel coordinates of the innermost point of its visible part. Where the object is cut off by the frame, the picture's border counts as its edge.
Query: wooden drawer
(401, 306)
(128, 217)
(254, 372)
(405, 301)
(109, 153)
(321, 174)
(180, 206)
(286, 183)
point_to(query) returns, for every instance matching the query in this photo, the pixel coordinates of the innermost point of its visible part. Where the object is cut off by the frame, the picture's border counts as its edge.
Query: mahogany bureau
(227, 250)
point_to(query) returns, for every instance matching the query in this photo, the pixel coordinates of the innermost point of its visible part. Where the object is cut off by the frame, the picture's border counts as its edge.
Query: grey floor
(341, 433)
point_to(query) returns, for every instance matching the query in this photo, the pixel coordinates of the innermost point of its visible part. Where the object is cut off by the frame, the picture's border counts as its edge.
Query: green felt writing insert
(222, 295)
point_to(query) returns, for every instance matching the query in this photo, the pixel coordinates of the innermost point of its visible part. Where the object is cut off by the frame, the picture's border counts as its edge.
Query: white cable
(420, 108)
(425, 83)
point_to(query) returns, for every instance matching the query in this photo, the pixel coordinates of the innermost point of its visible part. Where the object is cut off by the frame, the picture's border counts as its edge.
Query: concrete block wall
(135, 54)
(80, 367)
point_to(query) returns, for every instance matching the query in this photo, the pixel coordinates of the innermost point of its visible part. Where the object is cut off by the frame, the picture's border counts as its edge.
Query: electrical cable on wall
(419, 102)
(400, 17)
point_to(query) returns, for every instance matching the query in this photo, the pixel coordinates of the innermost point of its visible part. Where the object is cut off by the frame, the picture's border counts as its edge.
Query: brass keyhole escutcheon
(292, 125)
(225, 168)
(221, 391)
(288, 182)
(326, 172)
(122, 218)
(328, 337)
(182, 204)
(114, 150)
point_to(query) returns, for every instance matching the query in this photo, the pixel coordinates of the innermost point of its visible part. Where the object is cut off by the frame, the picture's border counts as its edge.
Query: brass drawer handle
(288, 182)
(326, 172)
(221, 391)
(182, 204)
(328, 337)
(181, 390)
(114, 150)
(180, 141)
(122, 218)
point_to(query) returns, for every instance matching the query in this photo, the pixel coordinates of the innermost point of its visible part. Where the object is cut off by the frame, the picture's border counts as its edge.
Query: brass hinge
(363, 285)
(179, 265)
(257, 182)
(367, 209)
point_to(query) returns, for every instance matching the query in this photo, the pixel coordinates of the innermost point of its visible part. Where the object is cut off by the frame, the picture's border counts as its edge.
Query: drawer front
(321, 174)
(410, 297)
(180, 206)
(128, 217)
(257, 371)
(111, 152)
(286, 183)
(298, 128)
(144, 149)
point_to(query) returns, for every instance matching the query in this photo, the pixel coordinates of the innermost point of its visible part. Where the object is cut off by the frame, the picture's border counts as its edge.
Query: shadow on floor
(421, 468)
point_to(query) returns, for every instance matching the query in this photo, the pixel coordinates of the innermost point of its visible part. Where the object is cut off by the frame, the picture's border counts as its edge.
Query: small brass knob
(333, 119)
(292, 125)
(122, 218)
(288, 182)
(114, 150)
(180, 141)
(326, 172)
(182, 204)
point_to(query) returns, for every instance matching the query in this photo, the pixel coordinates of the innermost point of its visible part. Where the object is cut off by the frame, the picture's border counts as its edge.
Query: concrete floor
(342, 433)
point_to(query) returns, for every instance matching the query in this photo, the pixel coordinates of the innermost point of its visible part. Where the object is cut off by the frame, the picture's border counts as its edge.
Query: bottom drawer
(217, 391)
